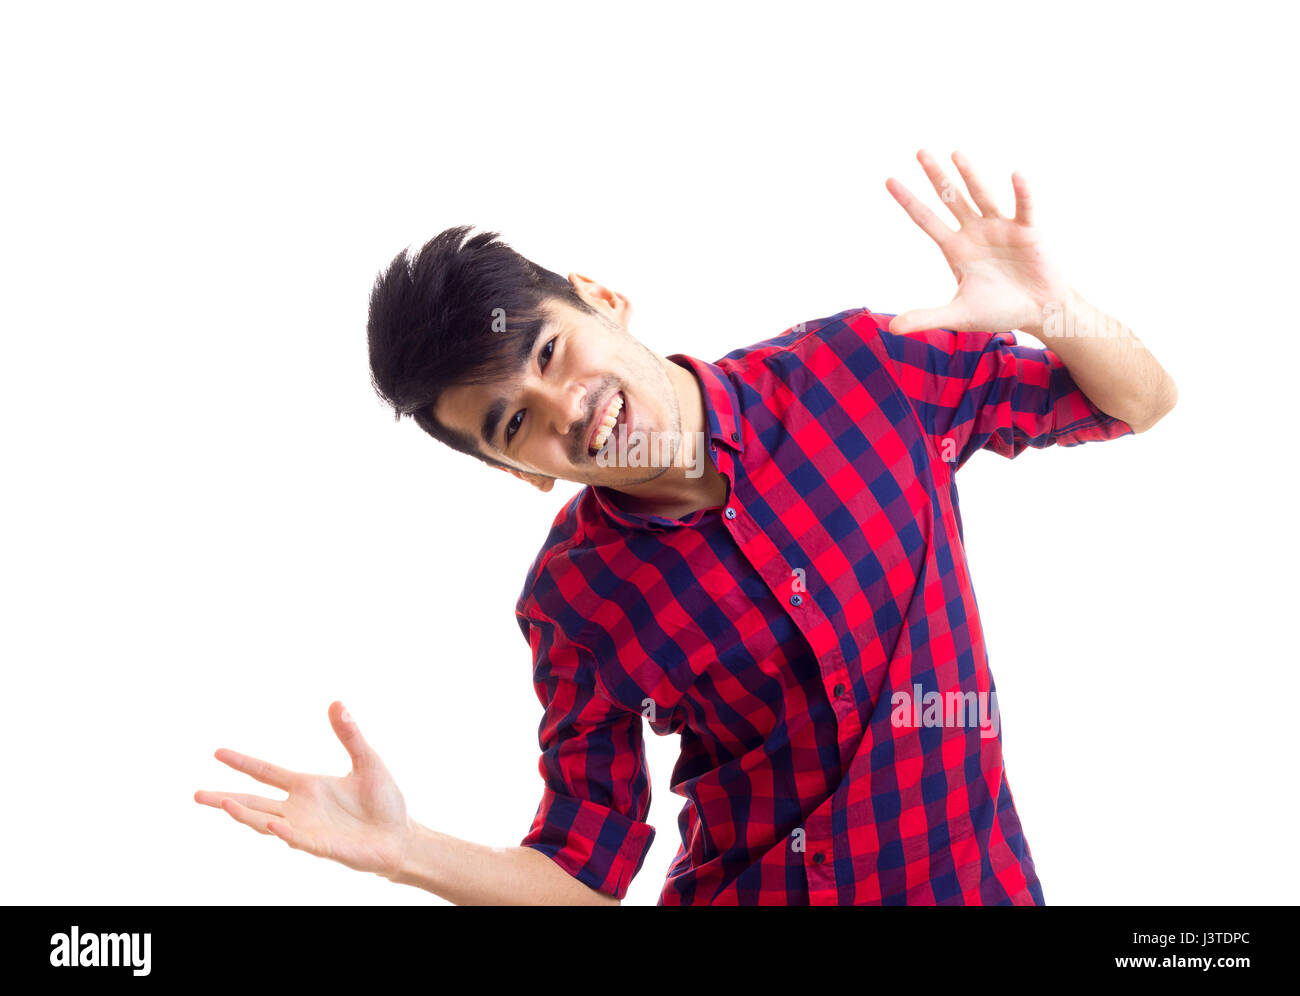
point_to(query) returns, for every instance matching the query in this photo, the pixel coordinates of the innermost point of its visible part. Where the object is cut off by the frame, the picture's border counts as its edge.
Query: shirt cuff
(599, 846)
(1079, 420)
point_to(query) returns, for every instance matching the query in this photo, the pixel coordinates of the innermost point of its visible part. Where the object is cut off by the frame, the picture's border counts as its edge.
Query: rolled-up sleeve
(596, 794)
(982, 390)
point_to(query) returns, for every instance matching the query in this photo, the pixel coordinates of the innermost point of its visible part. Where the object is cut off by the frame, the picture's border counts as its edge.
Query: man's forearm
(1108, 362)
(470, 874)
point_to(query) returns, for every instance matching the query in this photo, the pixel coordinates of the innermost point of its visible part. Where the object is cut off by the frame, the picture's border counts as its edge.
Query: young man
(767, 560)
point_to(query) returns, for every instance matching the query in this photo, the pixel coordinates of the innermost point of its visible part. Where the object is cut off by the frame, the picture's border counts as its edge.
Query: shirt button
(818, 858)
(796, 600)
(730, 513)
(735, 437)
(839, 690)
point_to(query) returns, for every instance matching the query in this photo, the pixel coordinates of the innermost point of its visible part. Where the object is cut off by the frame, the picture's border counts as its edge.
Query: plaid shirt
(797, 636)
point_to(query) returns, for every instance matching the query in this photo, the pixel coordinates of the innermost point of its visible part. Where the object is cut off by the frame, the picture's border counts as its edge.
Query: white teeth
(607, 423)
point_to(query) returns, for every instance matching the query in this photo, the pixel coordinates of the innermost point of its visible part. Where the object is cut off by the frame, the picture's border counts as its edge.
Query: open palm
(358, 820)
(1004, 277)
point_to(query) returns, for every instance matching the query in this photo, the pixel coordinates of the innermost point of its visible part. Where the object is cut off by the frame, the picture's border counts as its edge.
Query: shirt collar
(722, 420)
(721, 404)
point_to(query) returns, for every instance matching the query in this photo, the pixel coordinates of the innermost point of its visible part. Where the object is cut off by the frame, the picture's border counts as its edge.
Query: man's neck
(674, 494)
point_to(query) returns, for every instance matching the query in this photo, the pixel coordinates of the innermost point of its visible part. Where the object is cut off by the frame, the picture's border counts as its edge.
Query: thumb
(923, 318)
(349, 733)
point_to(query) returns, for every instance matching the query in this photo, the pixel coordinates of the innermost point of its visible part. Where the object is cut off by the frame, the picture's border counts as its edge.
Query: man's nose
(571, 409)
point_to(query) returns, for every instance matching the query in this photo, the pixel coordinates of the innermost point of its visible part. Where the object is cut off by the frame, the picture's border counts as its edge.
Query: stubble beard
(647, 369)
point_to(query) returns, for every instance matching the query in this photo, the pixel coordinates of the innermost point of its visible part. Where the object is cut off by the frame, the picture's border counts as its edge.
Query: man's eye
(513, 425)
(543, 358)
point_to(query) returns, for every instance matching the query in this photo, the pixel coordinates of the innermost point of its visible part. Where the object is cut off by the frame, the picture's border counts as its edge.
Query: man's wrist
(413, 840)
(1056, 315)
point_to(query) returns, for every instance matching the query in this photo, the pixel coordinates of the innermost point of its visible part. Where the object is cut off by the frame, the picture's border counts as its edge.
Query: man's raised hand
(358, 820)
(1005, 277)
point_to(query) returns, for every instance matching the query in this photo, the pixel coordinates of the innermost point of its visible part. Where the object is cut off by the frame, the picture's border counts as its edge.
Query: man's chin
(619, 478)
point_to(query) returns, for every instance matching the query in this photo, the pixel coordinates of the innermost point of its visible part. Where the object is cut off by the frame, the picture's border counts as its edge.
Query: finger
(263, 771)
(347, 730)
(248, 817)
(251, 801)
(1024, 202)
(292, 837)
(983, 200)
(926, 318)
(919, 213)
(945, 188)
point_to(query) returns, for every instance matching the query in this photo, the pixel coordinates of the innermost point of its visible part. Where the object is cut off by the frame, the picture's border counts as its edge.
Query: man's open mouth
(606, 423)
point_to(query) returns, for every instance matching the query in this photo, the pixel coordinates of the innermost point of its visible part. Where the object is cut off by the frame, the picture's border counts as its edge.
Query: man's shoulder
(568, 533)
(805, 335)
(854, 343)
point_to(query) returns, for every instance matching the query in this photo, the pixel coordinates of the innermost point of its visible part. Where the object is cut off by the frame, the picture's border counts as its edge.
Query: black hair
(458, 311)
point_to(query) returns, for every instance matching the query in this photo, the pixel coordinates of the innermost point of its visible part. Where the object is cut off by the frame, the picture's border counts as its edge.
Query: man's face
(543, 421)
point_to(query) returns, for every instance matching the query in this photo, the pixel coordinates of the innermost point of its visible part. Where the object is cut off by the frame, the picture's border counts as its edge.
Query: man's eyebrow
(490, 422)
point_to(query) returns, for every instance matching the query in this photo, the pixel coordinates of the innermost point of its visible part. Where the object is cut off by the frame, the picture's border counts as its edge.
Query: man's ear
(597, 294)
(539, 481)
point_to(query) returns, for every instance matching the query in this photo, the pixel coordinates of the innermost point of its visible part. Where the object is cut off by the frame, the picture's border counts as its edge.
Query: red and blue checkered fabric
(782, 634)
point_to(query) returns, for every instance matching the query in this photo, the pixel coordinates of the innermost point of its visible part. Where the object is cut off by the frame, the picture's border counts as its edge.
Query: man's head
(513, 364)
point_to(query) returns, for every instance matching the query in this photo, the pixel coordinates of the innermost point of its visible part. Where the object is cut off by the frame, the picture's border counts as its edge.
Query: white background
(213, 528)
